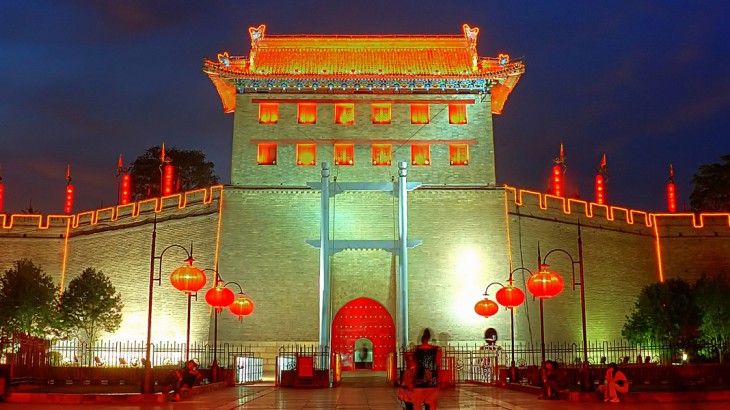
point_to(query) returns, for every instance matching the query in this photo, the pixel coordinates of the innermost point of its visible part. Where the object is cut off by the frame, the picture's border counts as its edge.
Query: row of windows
(382, 154)
(345, 113)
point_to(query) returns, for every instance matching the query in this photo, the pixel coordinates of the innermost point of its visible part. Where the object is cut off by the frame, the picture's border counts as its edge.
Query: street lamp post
(220, 297)
(147, 384)
(544, 284)
(580, 283)
(510, 297)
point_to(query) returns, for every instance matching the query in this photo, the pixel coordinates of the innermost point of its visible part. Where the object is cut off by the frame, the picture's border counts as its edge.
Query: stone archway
(363, 318)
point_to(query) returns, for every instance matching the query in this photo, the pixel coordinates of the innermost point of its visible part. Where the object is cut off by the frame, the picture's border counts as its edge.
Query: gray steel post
(402, 302)
(324, 260)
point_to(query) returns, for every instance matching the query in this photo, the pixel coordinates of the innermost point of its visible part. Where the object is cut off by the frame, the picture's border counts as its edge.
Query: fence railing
(132, 354)
(617, 351)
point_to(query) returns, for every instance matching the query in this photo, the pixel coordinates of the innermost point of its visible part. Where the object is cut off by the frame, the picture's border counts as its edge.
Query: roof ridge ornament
(471, 34)
(257, 34)
(471, 40)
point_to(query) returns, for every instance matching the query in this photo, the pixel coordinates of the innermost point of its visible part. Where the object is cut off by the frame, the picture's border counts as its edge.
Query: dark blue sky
(646, 82)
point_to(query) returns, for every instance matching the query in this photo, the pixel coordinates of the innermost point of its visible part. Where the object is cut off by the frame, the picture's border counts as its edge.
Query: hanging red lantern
(510, 296)
(168, 176)
(242, 306)
(188, 279)
(219, 297)
(557, 181)
(486, 307)
(545, 283)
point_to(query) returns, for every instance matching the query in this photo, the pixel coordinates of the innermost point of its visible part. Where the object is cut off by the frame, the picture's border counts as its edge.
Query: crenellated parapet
(545, 206)
(182, 204)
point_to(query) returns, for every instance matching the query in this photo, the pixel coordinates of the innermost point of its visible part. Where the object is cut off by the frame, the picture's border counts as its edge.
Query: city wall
(471, 237)
(117, 241)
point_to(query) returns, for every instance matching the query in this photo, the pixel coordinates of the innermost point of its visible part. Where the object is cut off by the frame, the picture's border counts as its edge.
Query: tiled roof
(363, 55)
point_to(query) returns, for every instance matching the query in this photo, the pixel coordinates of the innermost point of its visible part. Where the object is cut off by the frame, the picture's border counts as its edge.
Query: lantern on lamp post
(219, 297)
(188, 279)
(486, 307)
(510, 297)
(544, 284)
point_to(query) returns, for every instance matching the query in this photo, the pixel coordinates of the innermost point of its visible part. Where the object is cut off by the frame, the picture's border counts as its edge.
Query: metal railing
(132, 354)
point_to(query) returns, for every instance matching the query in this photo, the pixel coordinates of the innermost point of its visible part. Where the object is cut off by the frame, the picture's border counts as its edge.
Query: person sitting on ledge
(553, 380)
(191, 375)
(614, 384)
(172, 382)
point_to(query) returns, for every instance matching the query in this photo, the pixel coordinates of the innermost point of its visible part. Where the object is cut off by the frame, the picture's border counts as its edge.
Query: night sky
(645, 82)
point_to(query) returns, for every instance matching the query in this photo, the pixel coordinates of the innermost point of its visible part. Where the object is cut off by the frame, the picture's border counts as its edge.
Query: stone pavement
(364, 392)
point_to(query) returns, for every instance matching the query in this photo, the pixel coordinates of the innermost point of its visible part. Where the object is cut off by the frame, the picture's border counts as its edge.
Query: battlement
(591, 213)
(24, 223)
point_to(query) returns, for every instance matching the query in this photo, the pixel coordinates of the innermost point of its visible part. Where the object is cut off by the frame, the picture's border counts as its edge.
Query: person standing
(425, 384)
(405, 391)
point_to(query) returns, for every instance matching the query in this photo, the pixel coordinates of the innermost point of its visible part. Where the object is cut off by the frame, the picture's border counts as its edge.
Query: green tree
(192, 171)
(711, 293)
(29, 300)
(711, 191)
(91, 305)
(664, 313)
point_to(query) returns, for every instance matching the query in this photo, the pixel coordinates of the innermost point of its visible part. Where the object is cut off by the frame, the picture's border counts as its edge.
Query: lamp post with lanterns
(219, 297)
(544, 284)
(187, 278)
(581, 283)
(510, 297)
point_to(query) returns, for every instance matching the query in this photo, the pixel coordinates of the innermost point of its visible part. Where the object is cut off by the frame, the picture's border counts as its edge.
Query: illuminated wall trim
(362, 141)
(378, 101)
(204, 196)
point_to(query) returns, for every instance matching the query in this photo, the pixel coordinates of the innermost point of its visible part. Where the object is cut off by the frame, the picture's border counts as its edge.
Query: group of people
(181, 379)
(419, 384)
(554, 380)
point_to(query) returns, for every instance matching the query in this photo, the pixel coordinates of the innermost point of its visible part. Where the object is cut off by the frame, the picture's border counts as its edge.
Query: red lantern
(557, 181)
(68, 207)
(168, 176)
(242, 306)
(219, 297)
(486, 308)
(545, 283)
(510, 296)
(188, 279)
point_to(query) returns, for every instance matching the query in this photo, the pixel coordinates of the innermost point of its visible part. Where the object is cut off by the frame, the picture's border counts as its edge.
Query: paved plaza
(365, 392)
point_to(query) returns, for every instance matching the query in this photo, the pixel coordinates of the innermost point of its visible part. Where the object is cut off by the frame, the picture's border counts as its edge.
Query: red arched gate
(363, 318)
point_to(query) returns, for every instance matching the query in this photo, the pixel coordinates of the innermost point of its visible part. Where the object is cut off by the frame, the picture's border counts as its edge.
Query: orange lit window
(267, 154)
(382, 154)
(459, 154)
(306, 154)
(457, 113)
(344, 154)
(421, 154)
(345, 114)
(381, 113)
(307, 113)
(268, 113)
(419, 114)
